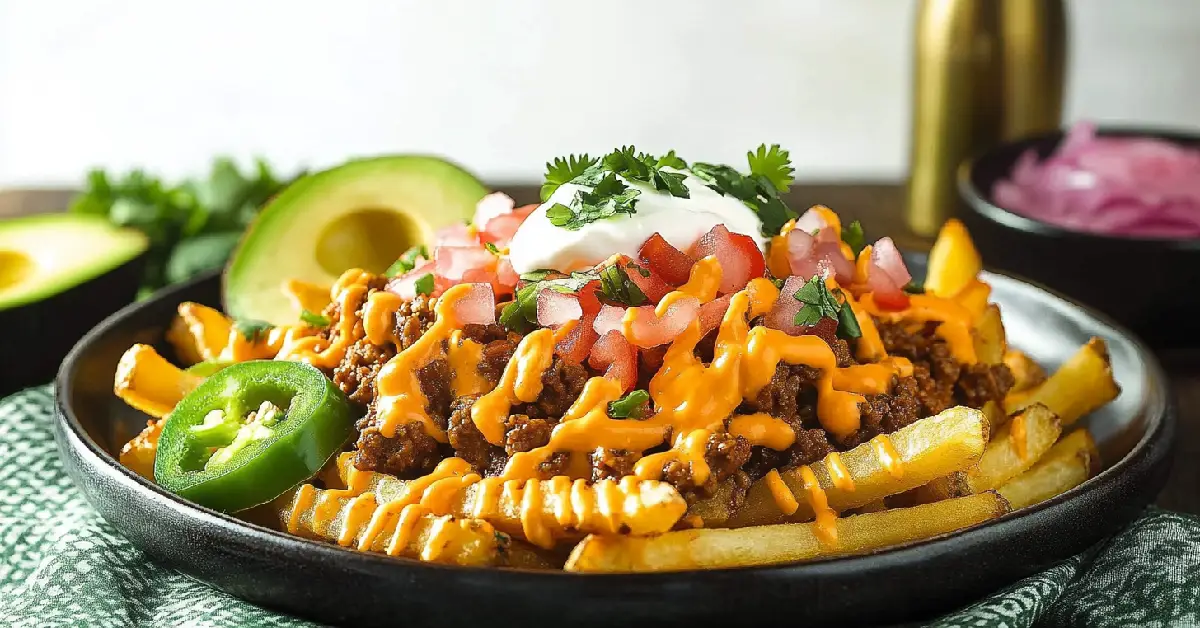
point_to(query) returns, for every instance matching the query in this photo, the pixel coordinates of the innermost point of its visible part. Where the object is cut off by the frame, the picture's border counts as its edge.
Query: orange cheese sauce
(784, 498)
(839, 475)
(889, 458)
(956, 321)
(763, 429)
(348, 292)
(825, 517)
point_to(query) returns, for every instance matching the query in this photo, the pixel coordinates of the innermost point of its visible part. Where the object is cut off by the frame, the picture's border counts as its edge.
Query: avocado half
(361, 214)
(60, 275)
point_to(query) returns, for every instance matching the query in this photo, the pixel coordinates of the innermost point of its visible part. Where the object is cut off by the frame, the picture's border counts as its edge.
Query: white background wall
(501, 85)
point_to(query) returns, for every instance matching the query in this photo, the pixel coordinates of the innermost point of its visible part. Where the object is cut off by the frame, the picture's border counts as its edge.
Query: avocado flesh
(47, 254)
(362, 214)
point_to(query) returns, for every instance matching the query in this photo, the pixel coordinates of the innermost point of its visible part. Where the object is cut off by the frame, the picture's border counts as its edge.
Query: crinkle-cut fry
(927, 449)
(781, 543)
(198, 333)
(990, 341)
(1071, 461)
(1016, 446)
(138, 454)
(563, 508)
(1082, 384)
(1026, 373)
(148, 382)
(954, 262)
(332, 516)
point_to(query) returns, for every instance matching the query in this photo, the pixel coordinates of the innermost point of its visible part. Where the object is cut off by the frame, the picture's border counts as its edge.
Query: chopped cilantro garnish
(778, 283)
(407, 261)
(770, 174)
(314, 320)
(852, 235)
(251, 329)
(520, 315)
(916, 286)
(424, 284)
(634, 405)
(562, 171)
(848, 323)
(491, 248)
(818, 302)
(616, 286)
(607, 199)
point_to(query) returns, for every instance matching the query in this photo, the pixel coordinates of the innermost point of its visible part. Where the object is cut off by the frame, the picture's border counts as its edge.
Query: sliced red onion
(610, 318)
(886, 257)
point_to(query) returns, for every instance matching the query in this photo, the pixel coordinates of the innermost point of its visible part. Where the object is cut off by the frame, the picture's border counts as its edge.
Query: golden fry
(953, 261)
(1026, 373)
(945, 487)
(927, 449)
(1016, 446)
(565, 509)
(198, 333)
(781, 543)
(333, 517)
(1070, 462)
(138, 454)
(1082, 384)
(146, 381)
(990, 342)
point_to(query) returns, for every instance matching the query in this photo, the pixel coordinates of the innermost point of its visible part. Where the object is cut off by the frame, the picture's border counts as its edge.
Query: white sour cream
(539, 244)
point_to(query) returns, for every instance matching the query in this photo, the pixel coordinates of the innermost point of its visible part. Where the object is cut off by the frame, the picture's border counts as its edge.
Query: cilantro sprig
(617, 287)
(635, 405)
(252, 330)
(820, 303)
(609, 195)
(852, 235)
(407, 261)
(770, 175)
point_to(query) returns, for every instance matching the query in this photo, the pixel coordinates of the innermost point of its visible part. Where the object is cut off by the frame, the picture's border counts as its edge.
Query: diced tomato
(739, 256)
(649, 282)
(578, 342)
(506, 276)
(673, 265)
(613, 354)
(712, 313)
(893, 301)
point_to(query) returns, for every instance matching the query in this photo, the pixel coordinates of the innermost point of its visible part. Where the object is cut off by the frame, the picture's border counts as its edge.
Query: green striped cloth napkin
(62, 565)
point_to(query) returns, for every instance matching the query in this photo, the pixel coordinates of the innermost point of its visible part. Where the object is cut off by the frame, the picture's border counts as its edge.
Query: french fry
(1016, 446)
(994, 414)
(146, 381)
(565, 509)
(1026, 373)
(728, 496)
(329, 516)
(198, 333)
(781, 543)
(878, 505)
(990, 341)
(953, 261)
(945, 487)
(138, 454)
(1070, 462)
(1082, 384)
(925, 450)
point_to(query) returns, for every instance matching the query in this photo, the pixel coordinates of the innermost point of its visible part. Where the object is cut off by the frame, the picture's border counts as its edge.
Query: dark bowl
(1145, 284)
(337, 585)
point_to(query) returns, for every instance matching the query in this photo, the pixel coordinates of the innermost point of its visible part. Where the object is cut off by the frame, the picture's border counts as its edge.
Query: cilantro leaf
(520, 315)
(774, 164)
(625, 162)
(670, 160)
(616, 287)
(491, 248)
(314, 320)
(608, 198)
(251, 329)
(852, 235)
(671, 182)
(562, 171)
(848, 323)
(560, 216)
(407, 261)
(916, 286)
(818, 302)
(635, 405)
(424, 284)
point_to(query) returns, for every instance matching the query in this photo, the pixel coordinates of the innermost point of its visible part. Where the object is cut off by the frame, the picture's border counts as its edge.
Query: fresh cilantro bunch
(192, 226)
(820, 303)
(771, 174)
(609, 195)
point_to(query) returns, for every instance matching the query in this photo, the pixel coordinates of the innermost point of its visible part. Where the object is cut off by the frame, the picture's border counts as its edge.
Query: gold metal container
(985, 71)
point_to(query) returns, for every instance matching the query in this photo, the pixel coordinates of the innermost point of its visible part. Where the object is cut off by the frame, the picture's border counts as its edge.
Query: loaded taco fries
(660, 367)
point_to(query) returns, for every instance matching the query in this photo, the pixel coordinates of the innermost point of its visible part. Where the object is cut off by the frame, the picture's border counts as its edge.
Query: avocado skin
(37, 336)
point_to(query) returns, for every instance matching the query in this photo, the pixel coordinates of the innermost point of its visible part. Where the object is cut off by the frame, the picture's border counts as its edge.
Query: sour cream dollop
(538, 244)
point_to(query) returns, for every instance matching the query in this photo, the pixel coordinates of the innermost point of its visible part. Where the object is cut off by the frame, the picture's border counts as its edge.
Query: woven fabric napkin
(63, 565)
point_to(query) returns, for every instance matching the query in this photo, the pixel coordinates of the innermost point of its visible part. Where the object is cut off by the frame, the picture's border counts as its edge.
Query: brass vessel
(985, 71)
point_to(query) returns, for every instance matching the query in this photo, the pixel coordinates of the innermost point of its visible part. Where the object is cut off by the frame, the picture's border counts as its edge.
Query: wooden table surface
(879, 207)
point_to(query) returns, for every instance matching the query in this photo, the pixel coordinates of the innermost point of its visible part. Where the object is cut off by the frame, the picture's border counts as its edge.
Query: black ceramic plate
(336, 585)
